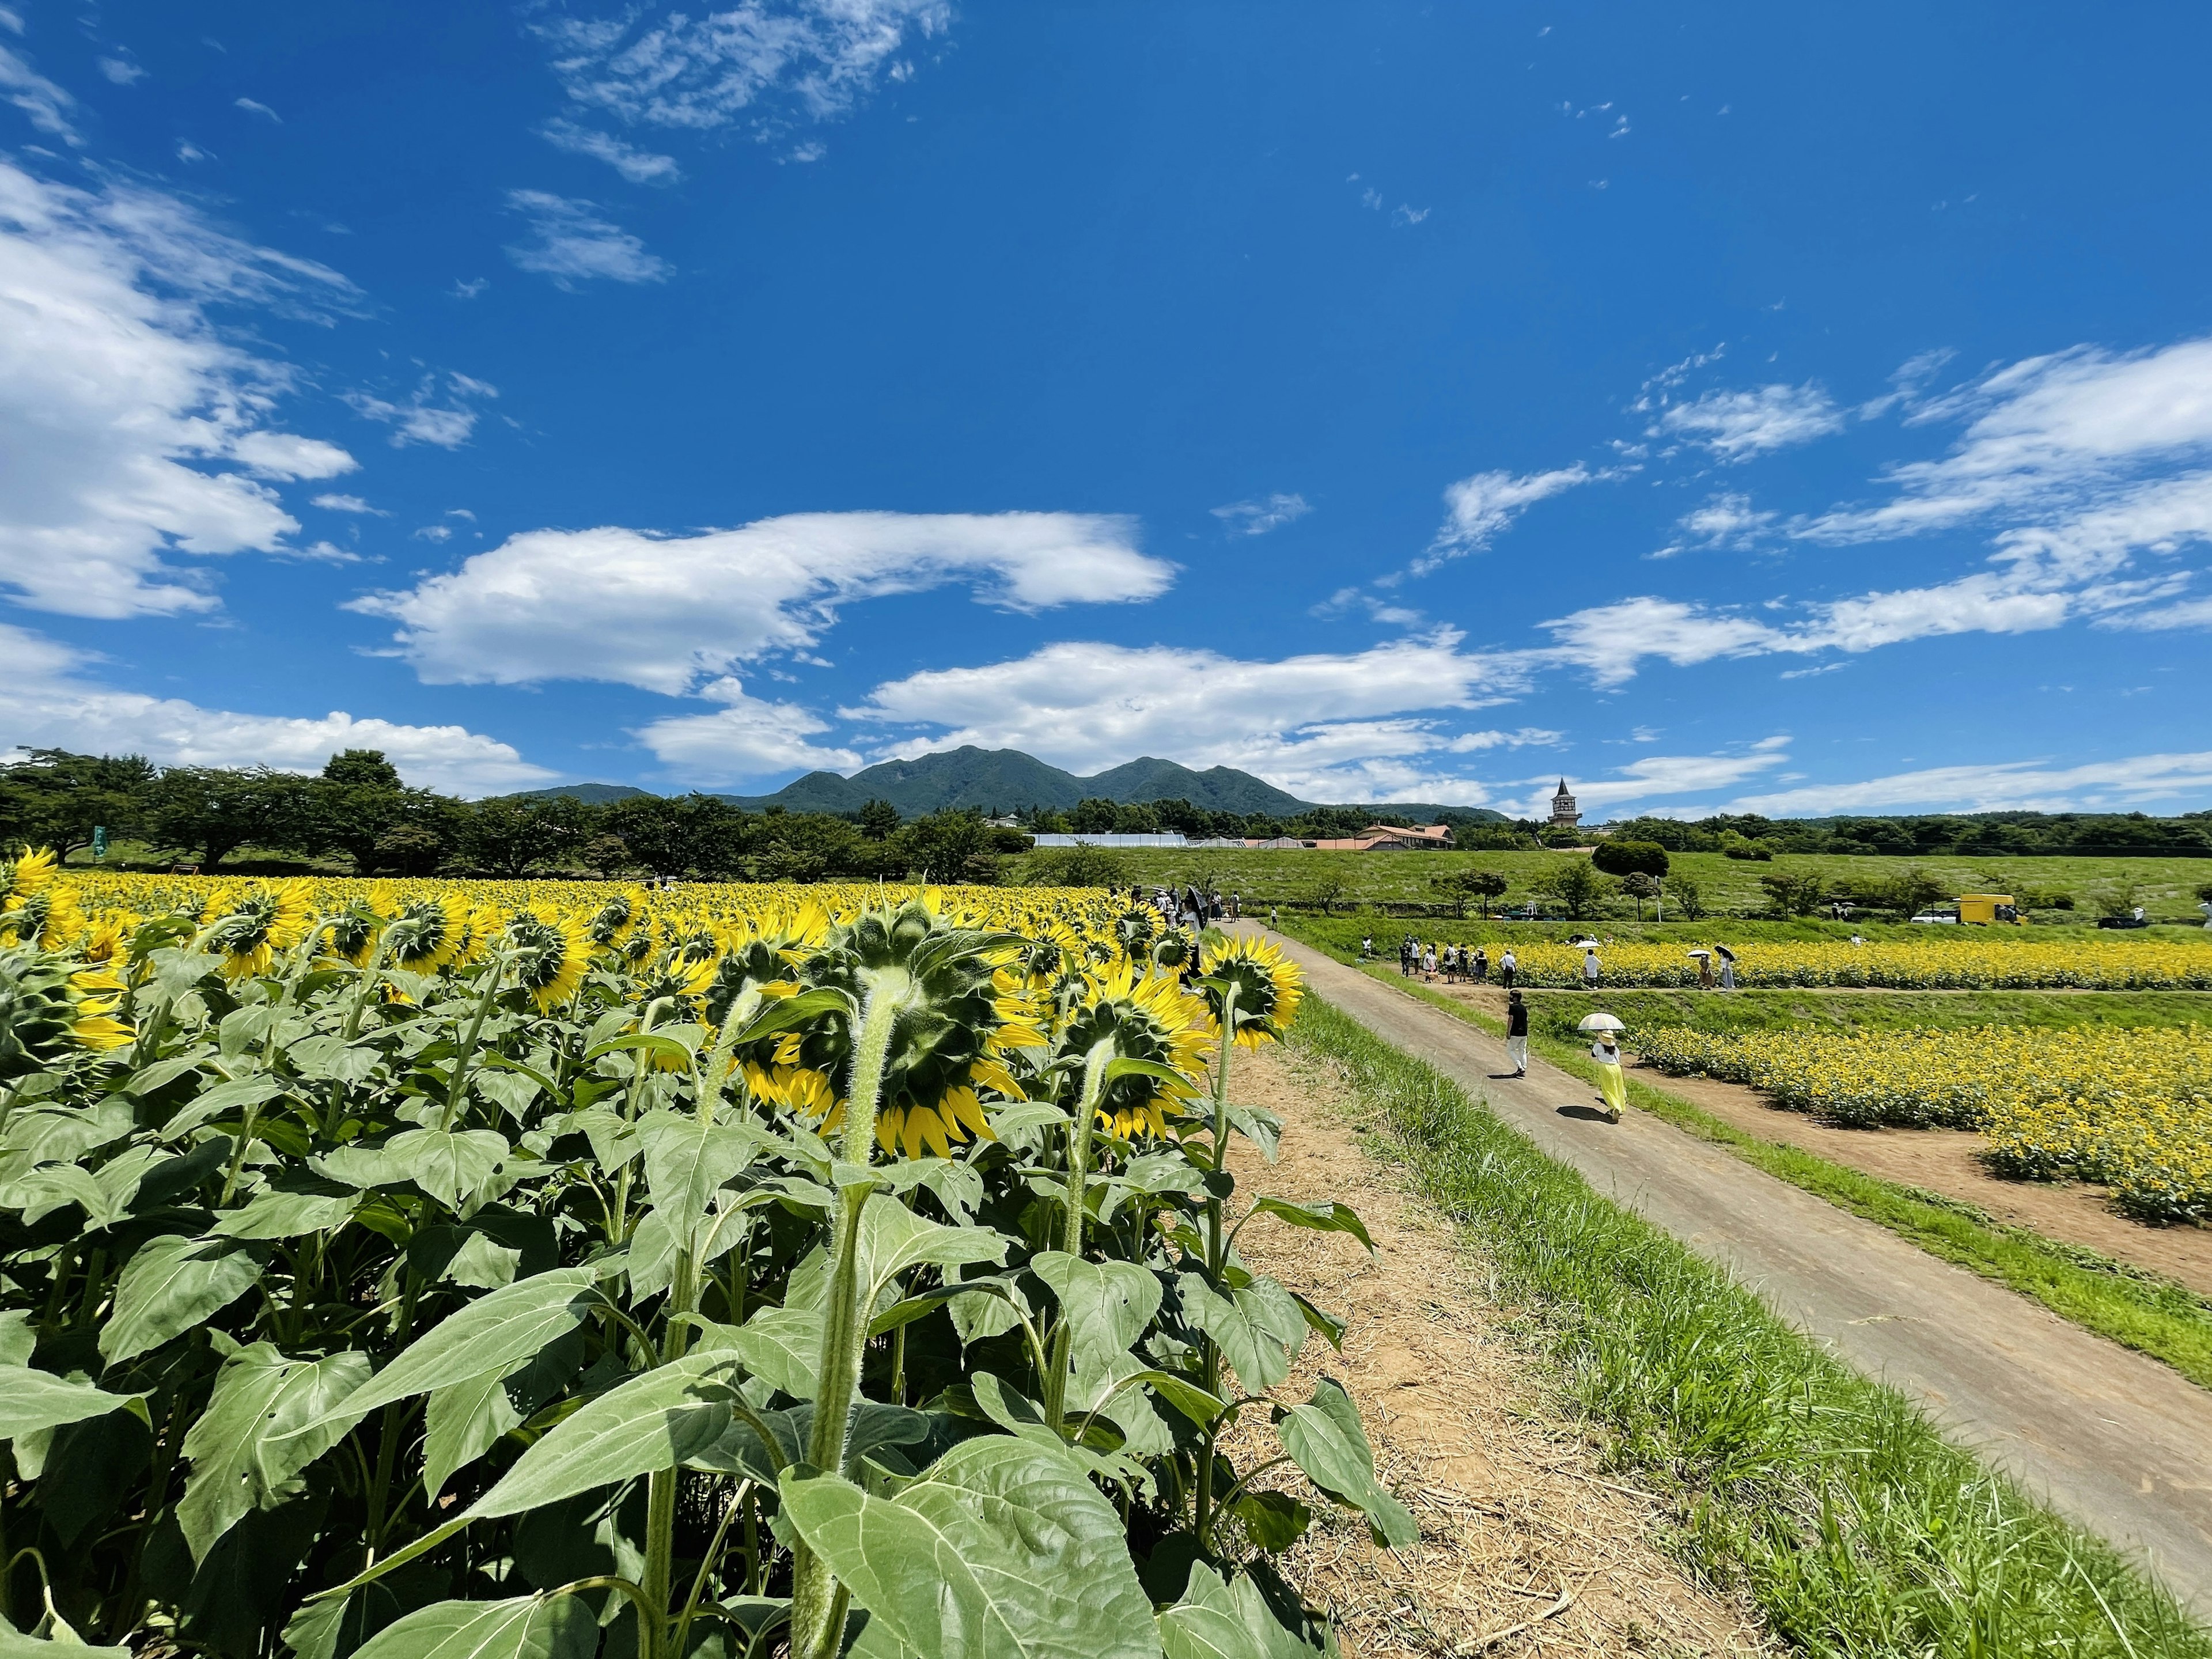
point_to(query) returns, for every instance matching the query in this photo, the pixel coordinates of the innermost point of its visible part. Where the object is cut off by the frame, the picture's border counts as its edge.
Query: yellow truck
(1983, 908)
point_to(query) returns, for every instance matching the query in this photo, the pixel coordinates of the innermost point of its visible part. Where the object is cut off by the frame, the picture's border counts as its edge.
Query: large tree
(52, 798)
(358, 806)
(213, 811)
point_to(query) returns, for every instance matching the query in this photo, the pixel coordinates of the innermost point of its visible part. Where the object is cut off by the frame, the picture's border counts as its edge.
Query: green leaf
(1324, 1438)
(452, 1167)
(894, 1238)
(1259, 1327)
(483, 1263)
(494, 1332)
(1108, 1303)
(1002, 1550)
(686, 1160)
(1319, 1320)
(56, 1186)
(265, 1422)
(31, 1402)
(1189, 1631)
(1263, 1607)
(14, 1644)
(1151, 1068)
(1327, 1217)
(463, 1421)
(1180, 1392)
(171, 1286)
(1273, 1521)
(224, 1097)
(657, 1420)
(526, 1627)
(661, 1048)
(781, 1346)
(1262, 1129)
(286, 1215)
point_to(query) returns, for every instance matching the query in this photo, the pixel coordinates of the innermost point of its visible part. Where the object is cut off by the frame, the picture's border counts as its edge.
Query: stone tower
(1564, 815)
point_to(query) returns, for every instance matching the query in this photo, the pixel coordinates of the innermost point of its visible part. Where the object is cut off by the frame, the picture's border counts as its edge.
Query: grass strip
(2137, 1309)
(1853, 1526)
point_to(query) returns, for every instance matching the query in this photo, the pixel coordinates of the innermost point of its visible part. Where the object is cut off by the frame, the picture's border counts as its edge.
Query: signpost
(99, 840)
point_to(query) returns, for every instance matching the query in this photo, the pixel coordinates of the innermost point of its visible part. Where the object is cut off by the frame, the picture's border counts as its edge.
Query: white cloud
(1257, 517)
(1659, 774)
(1349, 726)
(255, 106)
(574, 245)
(46, 701)
(1610, 640)
(348, 504)
(189, 151)
(746, 738)
(664, 611)
(639, 167)
(120, 70)
(2114, 785)
(120, 401)
(1404, 215)
(46, 105)
(1485, 504)
(1738, 425)
(434, 532)
(438, 411)
(705, 69)
(1728, 520)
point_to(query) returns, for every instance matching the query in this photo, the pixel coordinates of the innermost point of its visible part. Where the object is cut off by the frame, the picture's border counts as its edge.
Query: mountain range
(1005, 779)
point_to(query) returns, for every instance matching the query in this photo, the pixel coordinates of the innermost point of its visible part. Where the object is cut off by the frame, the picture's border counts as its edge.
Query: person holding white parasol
(1606, 1051)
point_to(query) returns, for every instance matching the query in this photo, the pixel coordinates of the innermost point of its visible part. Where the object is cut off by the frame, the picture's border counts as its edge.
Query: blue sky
(1795, 413)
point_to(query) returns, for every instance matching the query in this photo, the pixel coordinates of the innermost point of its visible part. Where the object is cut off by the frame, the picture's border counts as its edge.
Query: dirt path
(2116, 1441)
(1949, 1161)
(1514, 1508)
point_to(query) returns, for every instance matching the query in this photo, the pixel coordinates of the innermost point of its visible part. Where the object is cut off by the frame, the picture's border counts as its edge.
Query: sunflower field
(1977, 963)
(534, 1271)
(2129, 1109)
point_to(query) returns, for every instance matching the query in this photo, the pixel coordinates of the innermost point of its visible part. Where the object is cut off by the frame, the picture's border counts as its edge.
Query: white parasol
(1706, 954)
(1600, 1022)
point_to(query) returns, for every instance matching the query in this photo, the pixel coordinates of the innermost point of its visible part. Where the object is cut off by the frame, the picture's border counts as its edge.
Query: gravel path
(2115, 1441)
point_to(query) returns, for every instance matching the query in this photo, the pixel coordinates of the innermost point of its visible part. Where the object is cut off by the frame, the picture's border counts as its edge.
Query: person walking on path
(1274, 919)
(1506, 966)
(1517, 1032)
(1611, 1084)
(1429, 965)
(1405, 957)
(1479, 970)
(1728, 970)
(1591, 968)
(1705, 970)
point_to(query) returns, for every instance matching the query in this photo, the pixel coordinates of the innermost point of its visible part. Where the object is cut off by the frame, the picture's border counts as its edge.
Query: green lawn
(1875, 1011)
(2164, 886)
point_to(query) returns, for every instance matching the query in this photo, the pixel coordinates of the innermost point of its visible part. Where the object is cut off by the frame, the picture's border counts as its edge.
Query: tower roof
(1562, 789)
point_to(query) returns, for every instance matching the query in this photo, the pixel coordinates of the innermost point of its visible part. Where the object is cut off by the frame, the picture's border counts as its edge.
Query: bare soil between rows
(1943, 1161)
(1515, 1509)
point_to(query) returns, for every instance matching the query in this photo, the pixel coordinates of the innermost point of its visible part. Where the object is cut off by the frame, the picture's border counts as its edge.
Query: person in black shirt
(1516, 1033)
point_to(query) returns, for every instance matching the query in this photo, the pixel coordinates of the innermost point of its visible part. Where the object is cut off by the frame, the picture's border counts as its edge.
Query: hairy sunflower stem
(1215, 1254)
(818, 1601)
(457, 1091)
(1095, 1063)
(367, 988)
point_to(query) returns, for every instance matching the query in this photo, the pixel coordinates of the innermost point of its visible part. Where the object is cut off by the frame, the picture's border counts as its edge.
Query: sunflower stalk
(818, 1601)
(458, 1090)
(1095, 1063)
(1217, 1250)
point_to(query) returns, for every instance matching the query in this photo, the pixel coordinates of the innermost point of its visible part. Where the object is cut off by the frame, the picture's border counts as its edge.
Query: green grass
(1852, 1524)
(2137, 1309)
(1849, 1011)
(2164, 886)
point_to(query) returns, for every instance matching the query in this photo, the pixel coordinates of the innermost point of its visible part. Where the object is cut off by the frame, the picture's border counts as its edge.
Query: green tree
(360, 800)
(1094, 817)
(604, 855)
(1074, 866)
(213, 811)
(879, 820)
(357, 769)
(1573, 887)
(1689, 897)
(696, 834)
(410, 849)
(507, 835)
(1630, 858)
(951, 845)
(1795, 894)
(1639, 886)
(1913, 892)
(1462, 887)
(53, 798)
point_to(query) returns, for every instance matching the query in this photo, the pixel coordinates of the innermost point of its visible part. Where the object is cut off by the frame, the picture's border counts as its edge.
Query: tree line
(359, 810)
(1980, 835)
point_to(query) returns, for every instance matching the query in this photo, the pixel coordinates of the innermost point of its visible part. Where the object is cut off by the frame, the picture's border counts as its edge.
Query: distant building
(1102, 839)
(1389, 838)
(1564, 815)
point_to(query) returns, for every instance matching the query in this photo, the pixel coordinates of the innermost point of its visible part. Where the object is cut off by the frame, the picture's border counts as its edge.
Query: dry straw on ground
(1526, 1544)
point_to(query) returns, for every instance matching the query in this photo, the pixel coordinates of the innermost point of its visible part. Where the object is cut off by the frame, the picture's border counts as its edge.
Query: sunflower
(31, 873)
(108, 936)
(352, 933)
(612, 924)
(551, 957)
(424, 933)
(952, 1034)
(267, 920)
(1268, 988)
(1147, 1017)
(48, 916)
(48, 1010)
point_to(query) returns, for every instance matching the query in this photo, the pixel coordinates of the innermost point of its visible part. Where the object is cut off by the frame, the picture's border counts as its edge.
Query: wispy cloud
(47, 105)
(2120, 784)
(255, 106)
(440, 410)
(121, 71)
(1482, 505)
(348, 504)
(754, 61)
(1739, 425)
(574, 245)
(639, 167)
(1258, 517)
